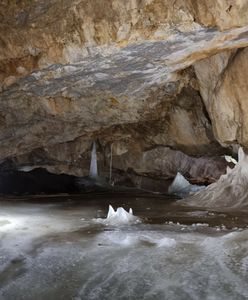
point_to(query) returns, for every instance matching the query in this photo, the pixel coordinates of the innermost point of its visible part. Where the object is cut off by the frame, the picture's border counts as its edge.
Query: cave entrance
(37, 181)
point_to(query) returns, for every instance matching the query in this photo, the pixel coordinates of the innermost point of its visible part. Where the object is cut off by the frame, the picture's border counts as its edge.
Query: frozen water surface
(52, 248)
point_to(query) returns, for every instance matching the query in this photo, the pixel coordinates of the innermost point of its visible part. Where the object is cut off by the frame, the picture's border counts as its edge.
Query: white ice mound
(119, 217)
(231, 190)
(182, 188)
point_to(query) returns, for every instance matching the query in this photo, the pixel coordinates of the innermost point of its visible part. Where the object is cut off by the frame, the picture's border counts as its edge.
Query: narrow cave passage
(37, 181)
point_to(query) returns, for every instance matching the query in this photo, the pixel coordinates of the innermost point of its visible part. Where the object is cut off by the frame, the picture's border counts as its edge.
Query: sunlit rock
(223, 87)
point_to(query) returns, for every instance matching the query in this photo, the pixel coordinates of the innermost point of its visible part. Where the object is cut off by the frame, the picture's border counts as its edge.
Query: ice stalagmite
(182, 188)
(119, 217)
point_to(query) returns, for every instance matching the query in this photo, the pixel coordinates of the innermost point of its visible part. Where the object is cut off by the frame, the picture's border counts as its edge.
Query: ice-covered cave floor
(54, 248)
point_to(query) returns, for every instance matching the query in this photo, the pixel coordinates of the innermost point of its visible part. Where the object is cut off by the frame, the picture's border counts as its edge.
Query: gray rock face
(100, 92)
(122, 75)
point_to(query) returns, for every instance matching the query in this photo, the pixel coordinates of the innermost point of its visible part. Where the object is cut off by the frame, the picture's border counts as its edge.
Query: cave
(38, 181)
(124, 149)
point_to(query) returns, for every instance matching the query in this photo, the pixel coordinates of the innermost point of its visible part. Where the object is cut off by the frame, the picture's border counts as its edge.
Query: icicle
(111, 164)
(93, 162)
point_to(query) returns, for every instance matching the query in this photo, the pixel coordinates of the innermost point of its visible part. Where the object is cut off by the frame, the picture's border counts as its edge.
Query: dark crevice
(204, 110)
(38, 181)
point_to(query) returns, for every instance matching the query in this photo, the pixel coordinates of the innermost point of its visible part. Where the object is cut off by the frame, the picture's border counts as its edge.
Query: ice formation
(230, 159)
(152, 261)
(111, 164)
(231, 190)
(93, 162)
(182, 188)
(26, 168)
(120, 216)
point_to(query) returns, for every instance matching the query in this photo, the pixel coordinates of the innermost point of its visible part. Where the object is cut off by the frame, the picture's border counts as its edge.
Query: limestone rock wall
(224, 89)
(138, 74)
(39, 33)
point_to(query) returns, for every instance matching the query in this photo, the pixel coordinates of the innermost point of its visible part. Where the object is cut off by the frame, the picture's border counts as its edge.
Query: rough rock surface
(224, 90)
(140, 75)
(167, 163)
(230, 191)
(39, 33)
